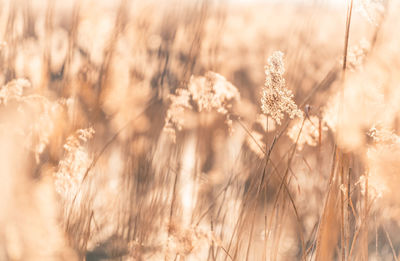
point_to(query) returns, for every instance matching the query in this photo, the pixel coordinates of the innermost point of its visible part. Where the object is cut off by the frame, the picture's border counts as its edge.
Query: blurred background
(134, 130)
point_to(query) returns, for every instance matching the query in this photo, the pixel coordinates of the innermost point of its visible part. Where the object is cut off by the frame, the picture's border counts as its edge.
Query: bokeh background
(134, 130)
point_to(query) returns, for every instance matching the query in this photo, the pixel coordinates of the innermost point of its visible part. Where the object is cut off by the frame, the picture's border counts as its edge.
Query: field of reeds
(199, 130)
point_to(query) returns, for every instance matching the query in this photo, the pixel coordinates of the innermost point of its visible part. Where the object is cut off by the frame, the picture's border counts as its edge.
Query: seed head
(276, 99)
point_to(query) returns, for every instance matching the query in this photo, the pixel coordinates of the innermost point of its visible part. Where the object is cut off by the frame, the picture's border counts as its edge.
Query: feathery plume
(13, 90)
(213, 92)
(309, 133)
(357, 54)
(209, 93)
(73, 166)
(276, 99)
(175, 115)
(383, 165)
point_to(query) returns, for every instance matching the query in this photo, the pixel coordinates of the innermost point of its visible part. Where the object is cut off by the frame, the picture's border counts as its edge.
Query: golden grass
(199, 130)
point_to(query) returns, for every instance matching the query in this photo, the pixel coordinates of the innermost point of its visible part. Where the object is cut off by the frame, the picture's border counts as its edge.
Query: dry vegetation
(199, 130)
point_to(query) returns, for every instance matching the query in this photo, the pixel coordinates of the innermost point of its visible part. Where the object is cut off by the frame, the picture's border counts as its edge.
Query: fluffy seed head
(276, 99)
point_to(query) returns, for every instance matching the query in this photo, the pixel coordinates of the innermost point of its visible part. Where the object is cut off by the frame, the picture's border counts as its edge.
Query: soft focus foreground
(199, 130)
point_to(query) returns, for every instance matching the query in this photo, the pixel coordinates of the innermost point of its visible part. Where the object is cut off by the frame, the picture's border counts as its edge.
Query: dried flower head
(383, 136)
(73, 167)
(13, 90)
(383, 165)
(189, 240)
(309, 134)
(209, 93)
(357, 54)
(276, 99)
(45, 112)
(175, 114)
(213, 92)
